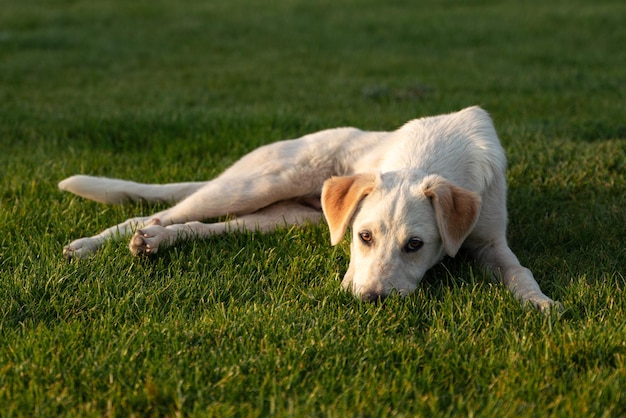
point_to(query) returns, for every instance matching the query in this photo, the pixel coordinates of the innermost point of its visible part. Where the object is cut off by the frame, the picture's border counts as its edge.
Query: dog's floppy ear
(456, 210)
(340, 196)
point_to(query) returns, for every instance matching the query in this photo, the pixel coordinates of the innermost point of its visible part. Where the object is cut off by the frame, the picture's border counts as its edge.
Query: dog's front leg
(83, 247)
(499, 258)
(520, 281)
(154, 236)
(150, 238)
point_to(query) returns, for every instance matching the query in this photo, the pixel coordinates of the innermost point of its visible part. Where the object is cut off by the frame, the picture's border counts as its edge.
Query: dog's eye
(366, 237)
(413, 245)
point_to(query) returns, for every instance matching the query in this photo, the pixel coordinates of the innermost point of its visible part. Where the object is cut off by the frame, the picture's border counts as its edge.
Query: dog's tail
(107, 190)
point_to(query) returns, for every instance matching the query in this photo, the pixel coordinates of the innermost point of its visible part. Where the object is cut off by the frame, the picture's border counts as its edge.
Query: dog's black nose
(373, 296)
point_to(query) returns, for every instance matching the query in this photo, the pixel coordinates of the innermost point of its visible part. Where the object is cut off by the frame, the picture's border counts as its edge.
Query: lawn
(253, 325)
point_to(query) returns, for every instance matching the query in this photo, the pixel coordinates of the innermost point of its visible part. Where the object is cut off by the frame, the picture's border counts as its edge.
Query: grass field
(251, 325)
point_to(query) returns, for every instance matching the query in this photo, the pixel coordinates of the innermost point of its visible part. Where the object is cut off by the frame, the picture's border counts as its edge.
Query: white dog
(410, 196)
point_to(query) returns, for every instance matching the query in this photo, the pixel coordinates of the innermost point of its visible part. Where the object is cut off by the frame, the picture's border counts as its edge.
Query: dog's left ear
(340, 197)
(456, 210)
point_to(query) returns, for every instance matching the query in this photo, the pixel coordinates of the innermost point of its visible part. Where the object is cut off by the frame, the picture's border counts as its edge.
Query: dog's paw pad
(148, 239)
(139, 244)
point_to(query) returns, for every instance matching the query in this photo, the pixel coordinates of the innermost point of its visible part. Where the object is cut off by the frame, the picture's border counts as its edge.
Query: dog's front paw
(147, 240)
(547, 305)
(81, 248)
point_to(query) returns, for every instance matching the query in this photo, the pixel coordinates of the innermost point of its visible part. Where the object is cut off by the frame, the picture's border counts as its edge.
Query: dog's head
(402, 224)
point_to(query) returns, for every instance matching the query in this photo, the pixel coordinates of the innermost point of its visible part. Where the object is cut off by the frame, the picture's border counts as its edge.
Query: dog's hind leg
(223, 196)
(154, 236)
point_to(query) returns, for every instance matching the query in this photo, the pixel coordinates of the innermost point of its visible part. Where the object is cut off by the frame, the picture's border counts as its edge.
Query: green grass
(252, 325)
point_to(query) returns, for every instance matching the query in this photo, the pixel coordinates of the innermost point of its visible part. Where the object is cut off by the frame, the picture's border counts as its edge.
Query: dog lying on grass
(409, 196)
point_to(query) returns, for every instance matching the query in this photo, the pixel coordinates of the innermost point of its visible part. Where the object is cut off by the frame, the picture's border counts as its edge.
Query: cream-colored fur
(410, 196)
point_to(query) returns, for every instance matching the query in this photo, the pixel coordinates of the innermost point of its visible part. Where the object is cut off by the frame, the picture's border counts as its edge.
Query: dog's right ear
(340, 197)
